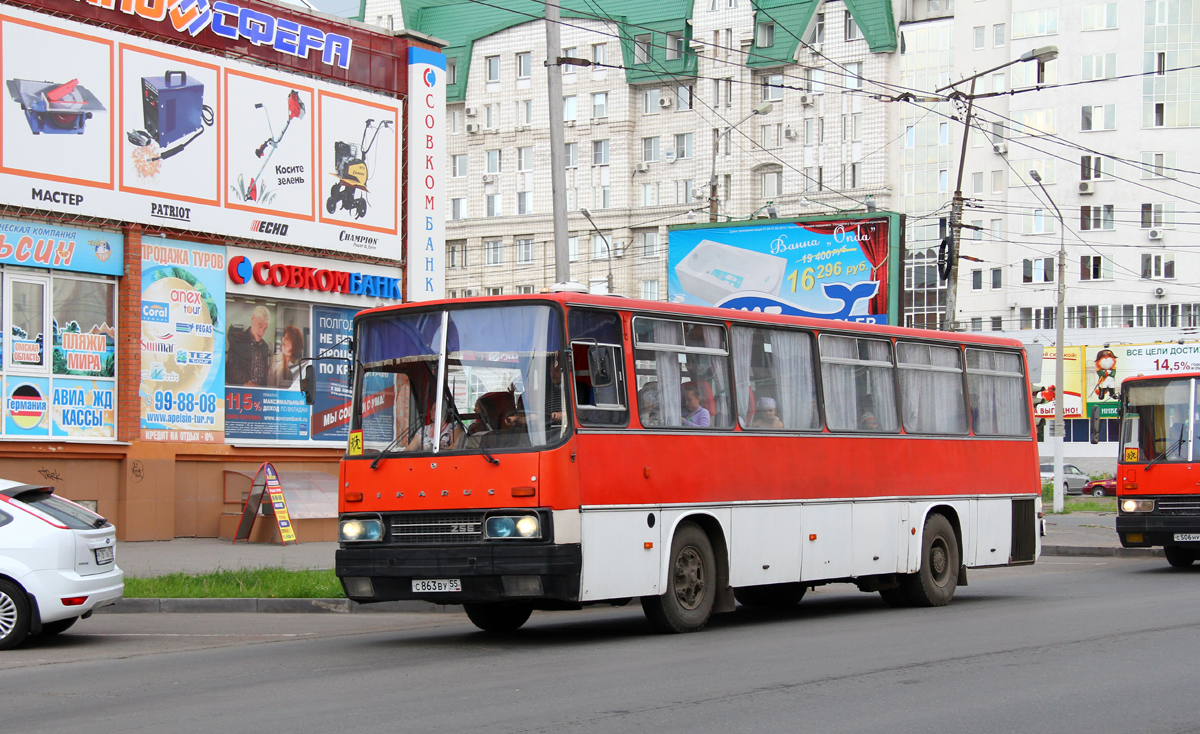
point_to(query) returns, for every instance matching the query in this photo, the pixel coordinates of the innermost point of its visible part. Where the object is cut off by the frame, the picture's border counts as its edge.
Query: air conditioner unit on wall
(489, 178)
(664, 102)
(1160, 292)
(1156, 234)
(790, 133)
(642, 167)
(1000, 148)
(806, 100)
(472, 111)
(1087, 187)
(472, 127)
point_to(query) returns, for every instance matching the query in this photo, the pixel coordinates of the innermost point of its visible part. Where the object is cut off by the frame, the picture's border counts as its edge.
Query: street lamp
(607, 249)
(1040, 55)
(1056, 427)
(762, 109)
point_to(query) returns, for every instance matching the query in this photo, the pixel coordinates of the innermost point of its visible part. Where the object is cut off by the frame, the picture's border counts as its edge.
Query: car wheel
(1098, 492)
(56, 628)
(14, 615)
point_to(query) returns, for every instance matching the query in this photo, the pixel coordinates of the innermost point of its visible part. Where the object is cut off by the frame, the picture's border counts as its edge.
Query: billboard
(1072, 386)
(832, 267)
(1108, 366)
(115, 126)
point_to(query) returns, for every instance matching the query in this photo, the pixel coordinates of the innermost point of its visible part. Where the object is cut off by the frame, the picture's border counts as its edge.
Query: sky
(336, 7)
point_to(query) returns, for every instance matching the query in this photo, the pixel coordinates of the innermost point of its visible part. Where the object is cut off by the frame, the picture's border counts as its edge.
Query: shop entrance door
(28, 342)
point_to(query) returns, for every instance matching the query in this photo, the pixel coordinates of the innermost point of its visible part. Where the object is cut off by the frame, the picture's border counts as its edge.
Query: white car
(57, 563)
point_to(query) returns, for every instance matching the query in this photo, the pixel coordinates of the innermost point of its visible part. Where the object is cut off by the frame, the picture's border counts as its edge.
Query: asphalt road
(1070, 645)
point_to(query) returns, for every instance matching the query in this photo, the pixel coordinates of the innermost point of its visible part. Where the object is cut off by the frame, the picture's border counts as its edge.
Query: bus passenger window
(931, 388)
(998, 397)
(860, 394)
(599, 367)
(682, 374)
(776, 387)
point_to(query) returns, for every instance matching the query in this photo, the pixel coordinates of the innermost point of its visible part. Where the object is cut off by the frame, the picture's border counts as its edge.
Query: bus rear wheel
(781, 596)
(498, 617)
(691, 584)
(1179, 557)
(934, 584)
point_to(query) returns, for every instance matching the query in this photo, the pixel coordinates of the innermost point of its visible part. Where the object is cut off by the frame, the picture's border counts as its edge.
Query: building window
(650, 290)
(452, 71)
(456, 255)
(492, 64)
(977, 323)
(979, 34)
(525, 250)
(772, 87)
(650, 244)
(814, 80)
(455, 120)
(1158, 266)
(997, 323)
(524, 202)
(1096, 217)
(997, 278)
(600, 248)
(1158, 216)
(1158, 165)
(458, 164)
(976, 280)
(641, 48)
(567, 69)
(1028, 23)
(493, 252)
(683, 145)
(649, 149)
(675, 46)
(599, 55)
(650, 194)
(998, 35)
(572, 249)
(599, 152)
(491, 116)
(1099, 16)
(650, 100)
(1040, 270)
(569, 108)
(852, 32)
(765, 37)
(600, 104)
(525, 290)
(1095, 267)
(854, 75)
(495, 291)
(525, 112)
(1095, 167)
(683, 98)
(458, 208)
(771, 183)
(1099, 66)
(493, 161)
(493, 205)
(524, 67)
(525, 158)
(1098, 117)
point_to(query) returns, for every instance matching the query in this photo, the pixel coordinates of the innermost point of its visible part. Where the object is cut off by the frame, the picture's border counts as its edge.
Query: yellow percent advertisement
(1072, 387)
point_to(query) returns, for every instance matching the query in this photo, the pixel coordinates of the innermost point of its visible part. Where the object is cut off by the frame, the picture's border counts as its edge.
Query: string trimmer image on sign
(256, 190)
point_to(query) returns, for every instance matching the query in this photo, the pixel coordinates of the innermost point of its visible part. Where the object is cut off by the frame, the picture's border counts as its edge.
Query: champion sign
(242, 270)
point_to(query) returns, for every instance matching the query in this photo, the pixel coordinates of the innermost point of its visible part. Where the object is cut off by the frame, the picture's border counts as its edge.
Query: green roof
(791, 19)
(461, 23)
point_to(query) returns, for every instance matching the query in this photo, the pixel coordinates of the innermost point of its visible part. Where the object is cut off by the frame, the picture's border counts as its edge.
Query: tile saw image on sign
(269, 154)
(169, 141)
(57, 118)
(819, 267)
(359, 163)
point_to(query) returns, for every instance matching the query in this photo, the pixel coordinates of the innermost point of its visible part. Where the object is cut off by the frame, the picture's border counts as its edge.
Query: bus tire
(1178, 556)
(691, 584)
(498, 617)
(934, 584)
(780, 596)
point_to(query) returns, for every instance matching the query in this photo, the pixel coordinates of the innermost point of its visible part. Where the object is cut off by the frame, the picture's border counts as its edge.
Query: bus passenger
(451, 435)
(693, 413)
(648, 404)
(765, 414)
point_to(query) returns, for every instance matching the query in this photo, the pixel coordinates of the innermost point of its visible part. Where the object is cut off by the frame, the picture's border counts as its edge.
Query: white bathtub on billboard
(713, 271)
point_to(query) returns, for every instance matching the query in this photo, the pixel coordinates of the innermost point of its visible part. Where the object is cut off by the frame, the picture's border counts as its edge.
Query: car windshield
(477, 379)
(68, 513)
(1158, 422)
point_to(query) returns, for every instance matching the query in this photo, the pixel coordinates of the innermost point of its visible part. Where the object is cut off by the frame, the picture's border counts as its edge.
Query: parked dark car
(1101, 488)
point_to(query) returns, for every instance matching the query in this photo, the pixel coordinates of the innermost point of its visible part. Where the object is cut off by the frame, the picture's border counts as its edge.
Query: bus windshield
(1158, 423)
(465, 379)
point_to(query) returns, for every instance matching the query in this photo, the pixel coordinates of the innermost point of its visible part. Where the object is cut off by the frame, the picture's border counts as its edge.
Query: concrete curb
(270, 606)
(1101, 551)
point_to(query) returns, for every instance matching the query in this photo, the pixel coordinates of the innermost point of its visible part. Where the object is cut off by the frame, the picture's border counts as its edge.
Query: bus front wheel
(691, 584)
(498, 617)
(934, 584)
(1179, 557)
(781, 596)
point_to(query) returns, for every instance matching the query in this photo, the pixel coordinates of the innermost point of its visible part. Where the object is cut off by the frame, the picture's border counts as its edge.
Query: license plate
(104, 555)
(1187, 537)
(428, 585)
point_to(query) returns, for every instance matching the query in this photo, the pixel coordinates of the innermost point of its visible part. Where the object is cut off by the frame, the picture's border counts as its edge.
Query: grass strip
(246, 583)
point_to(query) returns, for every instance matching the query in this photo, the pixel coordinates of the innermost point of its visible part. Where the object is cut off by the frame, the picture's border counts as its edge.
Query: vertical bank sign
(426, 169)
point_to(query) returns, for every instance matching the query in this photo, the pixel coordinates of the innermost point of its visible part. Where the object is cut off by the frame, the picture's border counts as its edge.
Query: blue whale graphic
(848, 295)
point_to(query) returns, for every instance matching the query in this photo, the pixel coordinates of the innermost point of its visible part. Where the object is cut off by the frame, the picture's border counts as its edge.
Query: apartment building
(667, 98)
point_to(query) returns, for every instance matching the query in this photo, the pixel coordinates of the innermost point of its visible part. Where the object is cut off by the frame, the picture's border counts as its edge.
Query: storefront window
(84, 332)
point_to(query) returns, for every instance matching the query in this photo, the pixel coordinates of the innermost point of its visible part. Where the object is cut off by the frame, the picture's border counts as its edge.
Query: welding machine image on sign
(174, 116)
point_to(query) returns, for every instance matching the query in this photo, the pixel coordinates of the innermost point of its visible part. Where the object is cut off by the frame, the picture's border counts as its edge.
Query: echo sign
(426, 168)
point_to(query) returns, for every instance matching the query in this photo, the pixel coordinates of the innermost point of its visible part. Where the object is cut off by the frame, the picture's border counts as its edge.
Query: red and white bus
(1158, 472)
(554, 451)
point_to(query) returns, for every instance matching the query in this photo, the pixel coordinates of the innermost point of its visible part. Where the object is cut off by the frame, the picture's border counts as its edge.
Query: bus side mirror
(308, 383)
(1094, 424)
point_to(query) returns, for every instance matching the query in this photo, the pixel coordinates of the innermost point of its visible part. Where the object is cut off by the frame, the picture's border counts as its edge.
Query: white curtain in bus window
(776, 388)
(84, 328)
(860, 394)
(659, 371)
(683, 374)
(997, 393)
(931, 389)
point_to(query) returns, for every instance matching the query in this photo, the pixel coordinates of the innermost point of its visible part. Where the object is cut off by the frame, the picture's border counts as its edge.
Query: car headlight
(359, 530)
(1137, 506)
(513, 526)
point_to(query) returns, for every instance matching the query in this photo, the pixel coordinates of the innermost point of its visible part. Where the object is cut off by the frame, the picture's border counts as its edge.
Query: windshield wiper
(386, 450)
(1178, 444)
(458, 419)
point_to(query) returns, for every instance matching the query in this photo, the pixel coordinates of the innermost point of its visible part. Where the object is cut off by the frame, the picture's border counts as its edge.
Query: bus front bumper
(1151, 530)
(491, 572)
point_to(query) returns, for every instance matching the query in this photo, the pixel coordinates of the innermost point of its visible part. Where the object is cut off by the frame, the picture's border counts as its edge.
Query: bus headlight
(1137, 506)
(358, 530)
(513, 526)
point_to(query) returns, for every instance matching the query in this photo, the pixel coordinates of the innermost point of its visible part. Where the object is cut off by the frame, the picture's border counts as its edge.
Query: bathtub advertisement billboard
(833, 267)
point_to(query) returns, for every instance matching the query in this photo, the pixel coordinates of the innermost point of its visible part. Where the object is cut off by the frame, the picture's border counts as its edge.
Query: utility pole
(1057, 426)
(956, 214)
(558, 171)
(761, 109)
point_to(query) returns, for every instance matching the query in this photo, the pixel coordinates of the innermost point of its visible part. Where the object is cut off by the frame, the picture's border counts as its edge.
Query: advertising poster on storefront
(265, 344)
(183, 341)
(821, 267)
(84, 409)
(41, 245)
(1106, 367)
(113, 125)
(26, 406)
(1072, 387)
(331, 411)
